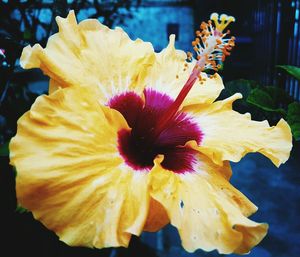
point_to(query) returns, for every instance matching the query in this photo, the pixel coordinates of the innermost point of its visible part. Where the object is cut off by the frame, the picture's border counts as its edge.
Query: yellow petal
(229, 135)
(168, 76)
(208, 212)
(91, 54)
(70, 174)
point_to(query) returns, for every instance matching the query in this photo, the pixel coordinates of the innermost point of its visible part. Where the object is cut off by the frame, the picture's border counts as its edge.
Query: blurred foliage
(21, 20)
(262, 99)
(4, 151)
(292, 70)
(265, 102)
(293, 118)
(20, 209)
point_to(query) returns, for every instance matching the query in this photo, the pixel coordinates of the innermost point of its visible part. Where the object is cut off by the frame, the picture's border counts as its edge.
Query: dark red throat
(152, 134)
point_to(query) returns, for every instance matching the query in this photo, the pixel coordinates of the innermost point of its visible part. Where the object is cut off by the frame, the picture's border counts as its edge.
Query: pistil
(211, 48)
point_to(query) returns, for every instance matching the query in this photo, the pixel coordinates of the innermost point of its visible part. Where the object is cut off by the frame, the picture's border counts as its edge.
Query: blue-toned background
(267, 34)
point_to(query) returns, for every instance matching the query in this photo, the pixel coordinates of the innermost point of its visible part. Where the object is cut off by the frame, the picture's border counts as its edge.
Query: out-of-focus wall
(154, 24)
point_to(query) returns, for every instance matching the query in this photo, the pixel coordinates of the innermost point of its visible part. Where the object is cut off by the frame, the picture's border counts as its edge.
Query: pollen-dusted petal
(229, 135)
(170, 72)
(70, 174)
(91, 54)
(208, 212)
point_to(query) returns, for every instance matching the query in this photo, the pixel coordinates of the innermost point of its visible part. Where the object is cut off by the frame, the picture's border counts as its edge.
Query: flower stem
(173, 109)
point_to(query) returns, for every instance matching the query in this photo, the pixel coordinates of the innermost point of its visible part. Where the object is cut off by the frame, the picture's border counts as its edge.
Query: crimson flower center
(147, 138)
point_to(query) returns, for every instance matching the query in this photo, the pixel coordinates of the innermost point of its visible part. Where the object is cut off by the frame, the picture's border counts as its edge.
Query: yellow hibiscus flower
(129, 140)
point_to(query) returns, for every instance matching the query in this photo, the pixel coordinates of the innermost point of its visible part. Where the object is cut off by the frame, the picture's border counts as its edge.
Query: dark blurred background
(267, 35)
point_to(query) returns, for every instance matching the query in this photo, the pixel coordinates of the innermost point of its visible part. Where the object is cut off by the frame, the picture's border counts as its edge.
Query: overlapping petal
(70, 174)
(208, 212)
(157, 217)
(90, 54)
(229, 135)
(170, 71)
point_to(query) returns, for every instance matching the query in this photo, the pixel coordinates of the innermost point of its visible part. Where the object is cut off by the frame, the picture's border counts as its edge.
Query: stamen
(211, 48)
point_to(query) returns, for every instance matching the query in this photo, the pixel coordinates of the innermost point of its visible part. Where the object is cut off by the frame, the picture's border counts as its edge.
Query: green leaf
(242, 86)
(27, 34)
(21, 209)
(279, 95)
(263, 100)
(4, 150)
(293, 118)
(296, 130)
(292, 70)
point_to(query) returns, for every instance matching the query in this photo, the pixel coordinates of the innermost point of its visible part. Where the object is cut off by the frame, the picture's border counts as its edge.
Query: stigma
(221, 21)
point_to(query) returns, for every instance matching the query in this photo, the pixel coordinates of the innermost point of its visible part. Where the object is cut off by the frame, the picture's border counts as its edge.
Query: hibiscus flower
(129, 140)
